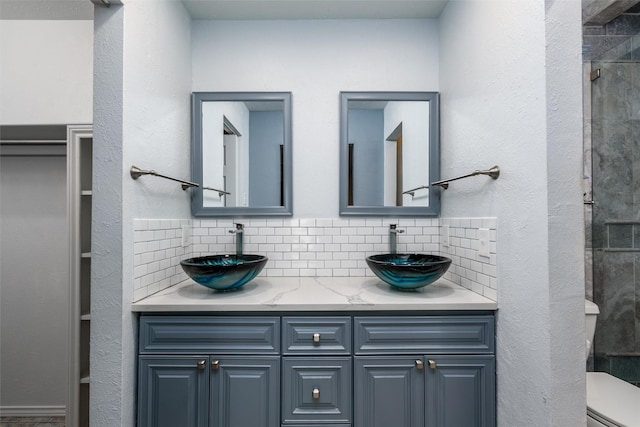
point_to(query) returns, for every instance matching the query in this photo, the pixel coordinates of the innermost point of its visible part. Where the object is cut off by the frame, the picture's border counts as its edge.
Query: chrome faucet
(239, 231)
(393, 238)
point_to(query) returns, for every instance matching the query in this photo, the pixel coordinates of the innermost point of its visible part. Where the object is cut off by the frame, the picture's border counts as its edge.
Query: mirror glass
(389, 153)
(241, 153)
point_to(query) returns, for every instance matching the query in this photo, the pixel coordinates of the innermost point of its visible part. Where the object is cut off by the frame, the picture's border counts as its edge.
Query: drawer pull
(315, 393)
(432, 364)
(419, 365)
(215, 364)
(201, 364)
(316, 337)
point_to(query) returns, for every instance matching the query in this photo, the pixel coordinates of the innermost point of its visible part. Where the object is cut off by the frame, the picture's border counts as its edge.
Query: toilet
(611, 402)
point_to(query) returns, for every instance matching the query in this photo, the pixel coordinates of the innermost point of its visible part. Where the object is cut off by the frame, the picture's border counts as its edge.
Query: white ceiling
(241, 9)
(313, 9)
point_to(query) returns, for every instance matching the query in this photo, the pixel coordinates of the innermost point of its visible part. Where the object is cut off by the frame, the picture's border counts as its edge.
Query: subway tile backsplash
(468, 268)
(157, 251)
(315, 247)
(310, 247)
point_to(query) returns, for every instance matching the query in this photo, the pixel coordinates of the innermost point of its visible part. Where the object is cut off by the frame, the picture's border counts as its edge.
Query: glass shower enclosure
(612, 197)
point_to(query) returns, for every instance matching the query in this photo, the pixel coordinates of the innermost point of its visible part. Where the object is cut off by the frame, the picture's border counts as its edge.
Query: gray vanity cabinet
(316, 390)
(460, 391)
(324, 370)
(173, 391)
(245, 391)
(316, 371)
(203, 391)
(433, 371)
(209, 371)
(390, 392)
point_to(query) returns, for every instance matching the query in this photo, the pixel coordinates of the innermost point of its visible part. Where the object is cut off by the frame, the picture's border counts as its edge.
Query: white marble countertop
(313, 294)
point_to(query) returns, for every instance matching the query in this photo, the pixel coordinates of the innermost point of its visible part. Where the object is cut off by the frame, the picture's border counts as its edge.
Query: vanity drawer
(316, 390)
(424, 334)
(316, 335)
(209, 334)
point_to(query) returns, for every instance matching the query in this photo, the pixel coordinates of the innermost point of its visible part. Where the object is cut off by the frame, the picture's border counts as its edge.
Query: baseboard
(32, 411)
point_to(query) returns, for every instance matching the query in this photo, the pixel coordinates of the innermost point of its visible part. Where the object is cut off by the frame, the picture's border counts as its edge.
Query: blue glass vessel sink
(224, 272)
(408, 271)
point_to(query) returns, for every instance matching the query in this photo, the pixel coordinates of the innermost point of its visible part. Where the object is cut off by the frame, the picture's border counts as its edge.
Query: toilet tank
(591, 312)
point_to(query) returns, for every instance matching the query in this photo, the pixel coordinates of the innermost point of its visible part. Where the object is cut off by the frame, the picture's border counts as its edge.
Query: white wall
(501, 82)
(142, 89)
(564, 90)
(46, 72)
(315, 60)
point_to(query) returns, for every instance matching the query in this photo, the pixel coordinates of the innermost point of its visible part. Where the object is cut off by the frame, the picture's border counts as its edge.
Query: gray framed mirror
(241, 154)
(389, 153)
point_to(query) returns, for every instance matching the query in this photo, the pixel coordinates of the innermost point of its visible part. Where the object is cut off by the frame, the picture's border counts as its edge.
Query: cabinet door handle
(315, 393)
(316, 337)
(419, 364)
(201, 364)
(215, 364)
(432, 364)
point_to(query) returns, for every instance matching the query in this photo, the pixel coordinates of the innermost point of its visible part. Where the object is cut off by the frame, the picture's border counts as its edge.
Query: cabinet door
(460, 391)
(172, 391)
(316, 390)
(389, 391)
(245, 391)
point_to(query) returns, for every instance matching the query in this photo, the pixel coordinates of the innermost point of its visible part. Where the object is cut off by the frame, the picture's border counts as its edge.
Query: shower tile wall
(615, 234)
(608, 41)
